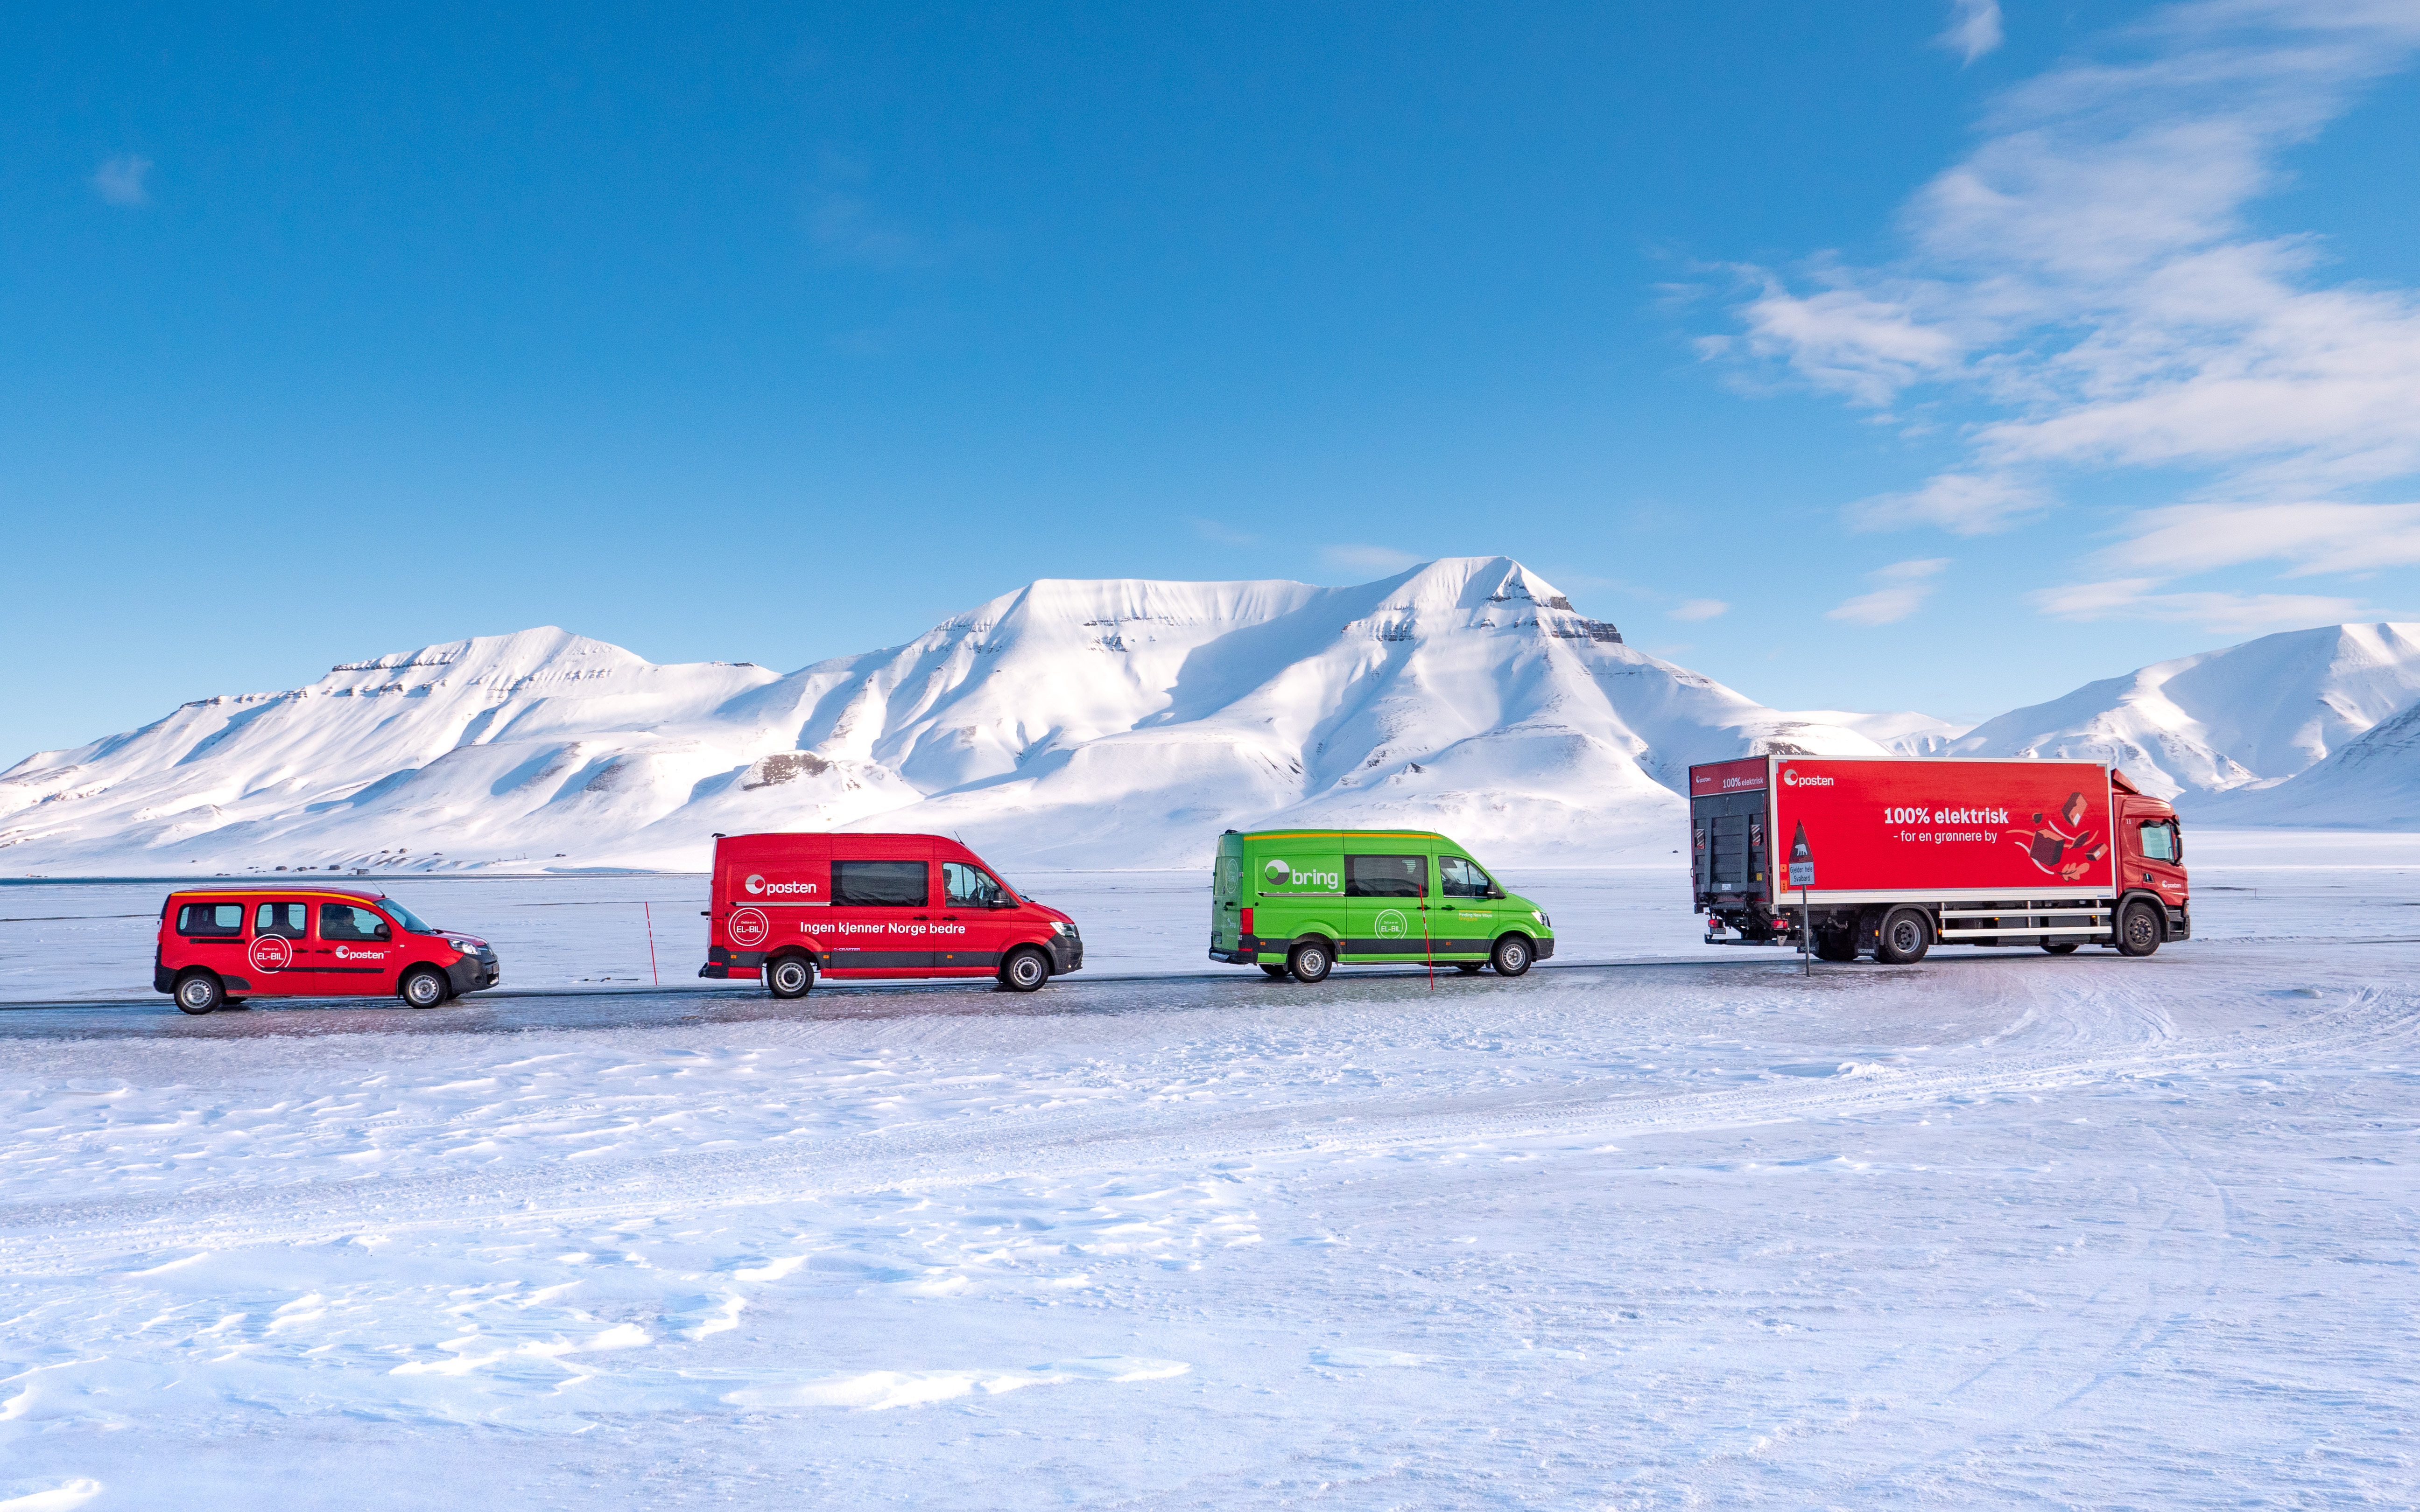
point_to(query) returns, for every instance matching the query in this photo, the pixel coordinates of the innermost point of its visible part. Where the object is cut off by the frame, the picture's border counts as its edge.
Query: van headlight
(1060, 926)
(465, 946)
(1539, 915)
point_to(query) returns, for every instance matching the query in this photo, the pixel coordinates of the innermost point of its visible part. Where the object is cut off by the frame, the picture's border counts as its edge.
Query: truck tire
(1512, 955)
(1309, 960)
(198, 992)
(1025, 970)
(2138, 929)
(1906, 935)
(1275, 973)
(421, 987)
(792, 975)
(2060, 947)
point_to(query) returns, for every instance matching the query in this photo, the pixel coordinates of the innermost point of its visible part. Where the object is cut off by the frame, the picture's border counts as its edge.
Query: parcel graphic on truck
(1887, 856)
(1298, 901)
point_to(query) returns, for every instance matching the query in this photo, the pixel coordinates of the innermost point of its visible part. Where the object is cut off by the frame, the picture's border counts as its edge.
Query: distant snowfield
(1996, 1229)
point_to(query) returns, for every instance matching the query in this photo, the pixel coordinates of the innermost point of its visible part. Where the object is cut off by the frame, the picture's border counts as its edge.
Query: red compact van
(791, 907)
(219, 946)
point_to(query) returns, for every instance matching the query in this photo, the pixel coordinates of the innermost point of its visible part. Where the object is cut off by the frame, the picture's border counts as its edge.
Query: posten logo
(759, 888)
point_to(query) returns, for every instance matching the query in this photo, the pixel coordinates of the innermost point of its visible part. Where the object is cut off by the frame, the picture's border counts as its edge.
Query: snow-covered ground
(1996, 1230)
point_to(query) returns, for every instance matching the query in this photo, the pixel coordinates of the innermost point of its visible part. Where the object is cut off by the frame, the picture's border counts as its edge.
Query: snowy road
(1996, 1229)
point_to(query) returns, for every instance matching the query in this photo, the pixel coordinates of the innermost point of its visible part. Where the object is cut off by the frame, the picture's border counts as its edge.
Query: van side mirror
(1496, 890)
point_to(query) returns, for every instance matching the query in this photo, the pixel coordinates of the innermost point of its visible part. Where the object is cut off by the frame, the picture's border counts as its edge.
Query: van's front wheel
(198, 992)
(1511, 956)
(1024, 971)
(422, 988)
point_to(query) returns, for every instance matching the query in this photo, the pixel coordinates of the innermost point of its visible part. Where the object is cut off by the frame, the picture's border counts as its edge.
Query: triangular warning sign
(1798, 851)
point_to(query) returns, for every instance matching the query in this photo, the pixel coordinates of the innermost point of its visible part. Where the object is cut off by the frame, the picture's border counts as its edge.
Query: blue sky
(1897, 355)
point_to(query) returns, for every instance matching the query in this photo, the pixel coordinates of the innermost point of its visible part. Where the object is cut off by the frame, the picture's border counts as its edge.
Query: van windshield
(405, 917)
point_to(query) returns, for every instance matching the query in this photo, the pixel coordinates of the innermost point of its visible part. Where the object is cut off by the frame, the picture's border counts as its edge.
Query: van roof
(1347, 834)
(313, 889)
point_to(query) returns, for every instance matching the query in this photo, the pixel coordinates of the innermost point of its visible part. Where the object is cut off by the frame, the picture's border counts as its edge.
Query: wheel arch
(2126, 900)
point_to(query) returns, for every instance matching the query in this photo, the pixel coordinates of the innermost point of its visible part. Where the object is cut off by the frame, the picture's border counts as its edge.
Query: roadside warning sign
(1802, 862)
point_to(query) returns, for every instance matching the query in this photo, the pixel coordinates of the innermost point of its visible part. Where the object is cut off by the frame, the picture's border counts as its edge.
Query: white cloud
(2131, 598)
(2312, 537)
(119, 181)
(1960, 502)
(1210, 530)
(1383, 560)
(1700, 609)
(1905, 587)
(1973, 29)
(2088, 275)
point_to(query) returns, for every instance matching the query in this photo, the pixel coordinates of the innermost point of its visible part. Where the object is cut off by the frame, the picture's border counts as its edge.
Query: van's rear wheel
(1309, 960)
(1512, 955)
(1272, 971)
(2138, 929)
(790, 977)
(1906, 935)
(2060, 947)
(198, 992)
(422, 987)
(1024, 970)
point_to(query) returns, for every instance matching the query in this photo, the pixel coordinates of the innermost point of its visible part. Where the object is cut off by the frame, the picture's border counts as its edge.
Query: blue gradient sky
(1956, 370)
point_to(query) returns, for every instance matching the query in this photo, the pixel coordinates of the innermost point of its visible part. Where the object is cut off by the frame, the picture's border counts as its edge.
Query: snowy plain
(1679, 1228)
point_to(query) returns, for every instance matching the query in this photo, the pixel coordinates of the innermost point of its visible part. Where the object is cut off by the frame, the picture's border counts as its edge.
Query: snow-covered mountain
(2234, 721)
(1119, 722)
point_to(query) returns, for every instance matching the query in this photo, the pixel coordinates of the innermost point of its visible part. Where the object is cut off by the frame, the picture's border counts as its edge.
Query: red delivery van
(219, 946)
(791, 907)
(1886, 855)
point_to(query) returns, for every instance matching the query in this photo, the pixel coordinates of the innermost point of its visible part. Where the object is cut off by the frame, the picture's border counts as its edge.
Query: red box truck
(1886, 855)
(791, 907)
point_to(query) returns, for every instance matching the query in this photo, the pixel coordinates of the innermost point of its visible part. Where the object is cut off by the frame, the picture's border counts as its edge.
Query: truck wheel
(1512, 957)
(2138, 929)
(421, 987)
(1024, 970)
(198, 992)
(2060, 947)
(790, 977)
(1309, 960)
(1275, 973)
(1906, 935)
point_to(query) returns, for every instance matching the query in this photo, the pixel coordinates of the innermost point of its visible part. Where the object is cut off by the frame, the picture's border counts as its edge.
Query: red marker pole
(651, 943)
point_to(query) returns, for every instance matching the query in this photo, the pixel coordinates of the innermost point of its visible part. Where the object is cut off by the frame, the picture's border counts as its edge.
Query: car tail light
(1248, 922)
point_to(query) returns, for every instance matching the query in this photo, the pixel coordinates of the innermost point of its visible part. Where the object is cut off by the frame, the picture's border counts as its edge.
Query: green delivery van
(1296, 902)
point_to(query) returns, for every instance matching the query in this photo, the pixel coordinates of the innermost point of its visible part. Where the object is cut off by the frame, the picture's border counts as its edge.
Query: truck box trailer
(1885, 856)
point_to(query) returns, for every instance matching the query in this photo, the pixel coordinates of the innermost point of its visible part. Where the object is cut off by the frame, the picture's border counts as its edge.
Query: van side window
(881, 883)
(1386, 876)
(2157, 842)
(969, 886)
(210, 918)
(1460, 877)
(343, 921)
(288, 920)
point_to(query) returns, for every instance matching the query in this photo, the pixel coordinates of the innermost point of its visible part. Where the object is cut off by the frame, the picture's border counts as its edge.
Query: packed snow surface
(1996, 1230)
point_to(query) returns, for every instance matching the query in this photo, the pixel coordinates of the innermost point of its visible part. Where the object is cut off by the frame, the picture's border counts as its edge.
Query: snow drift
(1120, 723)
